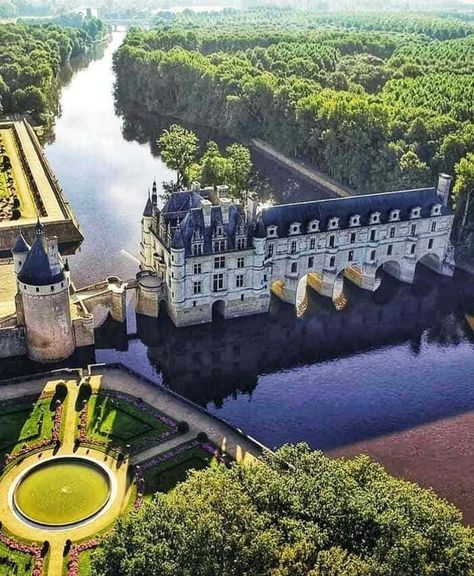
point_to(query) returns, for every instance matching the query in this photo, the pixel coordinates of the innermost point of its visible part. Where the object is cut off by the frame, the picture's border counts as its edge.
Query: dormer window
(313, 226)
(394, 215)
(436, 210)
(295, 228)
(355, 220)
(333, 223)
(272, 231)
(375, 218)
(415, 212)
(219, 231)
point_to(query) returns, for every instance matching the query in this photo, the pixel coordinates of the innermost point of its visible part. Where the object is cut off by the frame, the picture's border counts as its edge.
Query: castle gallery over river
(204, 254)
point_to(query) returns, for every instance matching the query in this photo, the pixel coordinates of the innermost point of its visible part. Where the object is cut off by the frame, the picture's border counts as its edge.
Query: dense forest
(377, 101)
(30, 60)
(297, 514)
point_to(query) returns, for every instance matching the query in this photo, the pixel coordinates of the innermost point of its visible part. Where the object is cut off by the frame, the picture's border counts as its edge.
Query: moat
(392, 374)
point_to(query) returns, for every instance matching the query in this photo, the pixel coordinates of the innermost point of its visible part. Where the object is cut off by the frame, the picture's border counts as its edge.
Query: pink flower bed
(41, 444)
(73, 564)
(30, 549)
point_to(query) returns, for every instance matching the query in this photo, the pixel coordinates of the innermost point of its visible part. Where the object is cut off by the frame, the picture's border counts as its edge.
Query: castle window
(24, 287)
(375, 218)
(332, 240)
(269, 250)
(293, 247)
(415, 212)
(265, 277)
(389, 249)
(332, 262)
(197, 268)
(294, 267)
(271, 231)
(241, 243)
(413, 248)
(436, 210)
(52, 288)
(62, 284)
(218, 282)
(413, 230)
(353, 238)
(350, 257)
(197, 249)
(194, 303)
(373, 234)
(312, 244)
(433, 226)
(355, 220)
(372, 255)
(197, 287)
(310, 262)
(392, 232)
(430, 244)
(242, 297)
(313, 226)
(394, 215)
(219, 262)
(295, 228)
(219, 231)
(219, 245)
(334, 223)
(37, 289)
(239, 281)
(240, 262)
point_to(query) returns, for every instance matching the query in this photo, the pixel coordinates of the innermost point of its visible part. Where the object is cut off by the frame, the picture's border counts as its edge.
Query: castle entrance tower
(43, 299)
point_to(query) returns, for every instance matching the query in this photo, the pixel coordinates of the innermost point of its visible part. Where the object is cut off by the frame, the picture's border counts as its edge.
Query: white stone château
(204, 253)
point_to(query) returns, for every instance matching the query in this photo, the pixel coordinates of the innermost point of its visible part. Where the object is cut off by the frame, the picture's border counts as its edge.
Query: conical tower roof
(21, 245)
(148, 212)
(177, 242)
(37, 269)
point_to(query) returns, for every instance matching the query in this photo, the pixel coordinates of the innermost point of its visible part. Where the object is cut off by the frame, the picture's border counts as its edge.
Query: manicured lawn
(20, 423)
(120, 422)
(14, 563)
(165, 476)
(3, 188)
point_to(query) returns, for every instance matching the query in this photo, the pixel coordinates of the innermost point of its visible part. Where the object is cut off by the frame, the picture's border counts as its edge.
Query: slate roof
(148, 212)
(343, 208)
(37, 269)
(21, 245)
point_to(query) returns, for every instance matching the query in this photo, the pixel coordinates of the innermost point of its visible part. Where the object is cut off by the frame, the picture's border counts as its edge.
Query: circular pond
(62, 491)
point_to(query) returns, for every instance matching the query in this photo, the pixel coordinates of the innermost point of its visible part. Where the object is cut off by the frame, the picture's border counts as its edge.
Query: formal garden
(75, 458)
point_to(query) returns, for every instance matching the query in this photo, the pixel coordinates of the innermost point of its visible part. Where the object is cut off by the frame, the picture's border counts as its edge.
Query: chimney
(206, 206)
(444, 187)
(195, 186)
(225, 204)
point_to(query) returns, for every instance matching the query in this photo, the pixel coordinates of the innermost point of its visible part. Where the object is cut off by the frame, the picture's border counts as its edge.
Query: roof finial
(39, 228)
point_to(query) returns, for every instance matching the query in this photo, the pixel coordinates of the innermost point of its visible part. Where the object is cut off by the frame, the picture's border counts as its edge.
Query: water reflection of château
(211, 362)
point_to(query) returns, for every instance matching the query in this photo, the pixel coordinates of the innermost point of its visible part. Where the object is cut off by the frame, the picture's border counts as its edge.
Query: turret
(43, 286)
(20, 252)
(177, 266)
(259, 237)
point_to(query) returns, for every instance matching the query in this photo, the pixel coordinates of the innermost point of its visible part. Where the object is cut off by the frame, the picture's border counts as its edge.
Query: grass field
(119, 422)
(165, 476)
(24, 422)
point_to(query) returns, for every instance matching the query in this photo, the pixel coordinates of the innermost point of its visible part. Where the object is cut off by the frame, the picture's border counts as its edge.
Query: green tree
(297, 514)
(239, 168)
(178, 148)
(463, 195)
(213, 166)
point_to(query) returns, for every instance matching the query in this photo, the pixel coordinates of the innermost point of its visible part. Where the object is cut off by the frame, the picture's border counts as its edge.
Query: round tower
(177, 267)
(43, 285)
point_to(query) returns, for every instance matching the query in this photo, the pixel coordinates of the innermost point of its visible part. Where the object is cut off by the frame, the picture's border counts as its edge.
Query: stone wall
(12, 342)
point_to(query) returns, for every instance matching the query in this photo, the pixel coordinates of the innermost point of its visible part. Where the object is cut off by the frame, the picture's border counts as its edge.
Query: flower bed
(30, 549)
(73, 564)
(206, 446)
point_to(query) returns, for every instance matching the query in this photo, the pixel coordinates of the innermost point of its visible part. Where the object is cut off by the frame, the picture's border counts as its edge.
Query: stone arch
(431, 260)
(391, 267)
(218, 310)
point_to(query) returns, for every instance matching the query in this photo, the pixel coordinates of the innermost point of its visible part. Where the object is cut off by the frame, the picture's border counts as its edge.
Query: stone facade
(202, 253)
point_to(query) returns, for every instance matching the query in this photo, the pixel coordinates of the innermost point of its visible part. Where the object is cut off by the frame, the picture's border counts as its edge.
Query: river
(392, 375)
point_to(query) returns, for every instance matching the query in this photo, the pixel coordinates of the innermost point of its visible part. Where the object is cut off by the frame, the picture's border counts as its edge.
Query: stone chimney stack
(225, 205)
(444, 187)
(206, 212)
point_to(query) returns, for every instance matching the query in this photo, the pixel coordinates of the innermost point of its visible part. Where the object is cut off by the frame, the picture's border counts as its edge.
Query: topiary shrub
(202, 437)
(183, 427)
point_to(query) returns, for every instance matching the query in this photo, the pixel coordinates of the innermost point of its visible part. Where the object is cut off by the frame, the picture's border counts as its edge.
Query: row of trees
(179, 148)
(296, 514)
(30, 60)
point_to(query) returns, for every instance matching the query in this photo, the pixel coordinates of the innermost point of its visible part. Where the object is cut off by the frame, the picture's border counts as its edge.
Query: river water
(392, 375)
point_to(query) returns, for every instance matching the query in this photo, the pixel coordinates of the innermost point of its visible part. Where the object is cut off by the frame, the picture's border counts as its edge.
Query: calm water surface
(395, 362)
